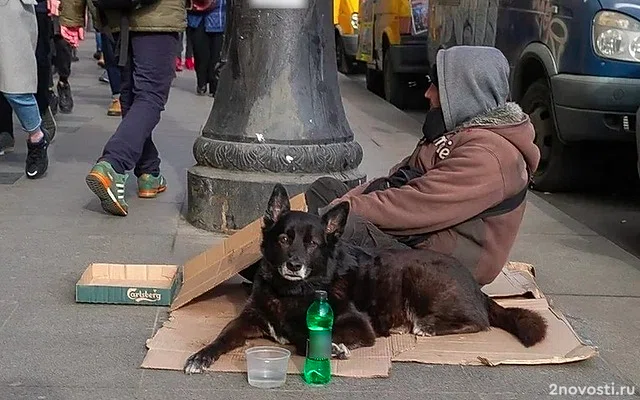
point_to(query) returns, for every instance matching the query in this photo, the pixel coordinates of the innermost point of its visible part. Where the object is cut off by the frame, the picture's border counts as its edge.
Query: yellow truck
(393, 42)
(345, 21)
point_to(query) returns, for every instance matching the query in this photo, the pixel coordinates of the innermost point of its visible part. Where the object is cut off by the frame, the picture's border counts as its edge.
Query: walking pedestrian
(146, 81)
(62, 58)
(206, 23)
(19, 80)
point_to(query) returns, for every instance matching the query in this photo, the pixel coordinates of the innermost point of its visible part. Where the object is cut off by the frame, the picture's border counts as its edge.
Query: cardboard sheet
(195, 325)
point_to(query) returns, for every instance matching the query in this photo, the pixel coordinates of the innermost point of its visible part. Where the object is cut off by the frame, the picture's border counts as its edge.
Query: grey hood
(472, 81)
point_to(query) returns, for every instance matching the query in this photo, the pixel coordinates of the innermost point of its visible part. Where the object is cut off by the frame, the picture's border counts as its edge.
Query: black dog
(373, 293)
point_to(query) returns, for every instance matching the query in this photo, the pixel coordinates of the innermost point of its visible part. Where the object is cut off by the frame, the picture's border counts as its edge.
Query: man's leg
(62, 63)
(7, 141)
(113, 72)
(43, 59)
(215, 43)
(152, 73)
(201, 51)
(144, 94)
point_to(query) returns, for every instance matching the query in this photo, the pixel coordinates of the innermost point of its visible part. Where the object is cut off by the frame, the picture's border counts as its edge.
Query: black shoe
(49, 123)
(37, 159)
(53, 102)
(97, 55)
(7, 143)
(201, 91)
(65, 102)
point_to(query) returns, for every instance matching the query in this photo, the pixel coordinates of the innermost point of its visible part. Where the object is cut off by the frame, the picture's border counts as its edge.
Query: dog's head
(297, 245)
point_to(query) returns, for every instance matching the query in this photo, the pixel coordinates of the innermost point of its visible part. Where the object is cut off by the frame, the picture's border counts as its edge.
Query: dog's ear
(278, 205)
(335, 219)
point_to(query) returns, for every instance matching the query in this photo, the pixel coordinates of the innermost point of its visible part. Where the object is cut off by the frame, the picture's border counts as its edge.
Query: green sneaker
(108, 185)
(149, 186)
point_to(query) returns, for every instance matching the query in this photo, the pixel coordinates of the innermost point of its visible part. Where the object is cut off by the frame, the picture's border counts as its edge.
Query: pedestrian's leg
(189, 49)
(152, 73)
(215, 42)
(63, 66)
(7, 141)
(201, 51)
(26, 108)
(43, 59)
(113, 71)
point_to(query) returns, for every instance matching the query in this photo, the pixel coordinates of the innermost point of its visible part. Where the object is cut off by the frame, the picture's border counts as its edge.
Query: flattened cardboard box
(193, 324)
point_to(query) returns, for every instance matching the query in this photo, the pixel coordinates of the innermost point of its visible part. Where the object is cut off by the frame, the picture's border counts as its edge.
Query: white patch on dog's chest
(272, 333)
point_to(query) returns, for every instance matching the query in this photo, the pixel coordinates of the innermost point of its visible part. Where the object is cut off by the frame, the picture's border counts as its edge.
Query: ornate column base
(222, 201)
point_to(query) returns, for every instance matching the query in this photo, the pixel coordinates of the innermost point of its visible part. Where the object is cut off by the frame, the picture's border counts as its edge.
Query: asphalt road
(612, 214)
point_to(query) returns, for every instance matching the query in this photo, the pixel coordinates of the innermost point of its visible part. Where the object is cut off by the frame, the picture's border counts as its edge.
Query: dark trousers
(206, 53)
(146, 80)
(110, 63)
(43, 60)
(358, 231)
(61, 52)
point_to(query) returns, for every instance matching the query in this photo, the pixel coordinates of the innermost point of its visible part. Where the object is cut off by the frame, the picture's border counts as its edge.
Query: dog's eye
(284, 239)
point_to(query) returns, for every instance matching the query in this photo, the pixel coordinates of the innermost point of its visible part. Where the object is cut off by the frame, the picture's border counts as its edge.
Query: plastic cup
(267, 366)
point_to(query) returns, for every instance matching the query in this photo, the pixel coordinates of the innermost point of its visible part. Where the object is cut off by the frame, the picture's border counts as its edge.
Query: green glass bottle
(317, 365)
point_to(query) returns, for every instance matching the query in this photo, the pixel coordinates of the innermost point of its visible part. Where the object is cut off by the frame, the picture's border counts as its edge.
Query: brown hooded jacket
(484, 159)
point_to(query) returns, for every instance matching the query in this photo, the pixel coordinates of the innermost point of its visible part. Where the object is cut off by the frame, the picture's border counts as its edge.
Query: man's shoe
(37, 159)
(97, 55)
(104, 77)
(201, 91)
(49, 123)
(109, 186)
(149, 186)
(7, 143)
(115, 109)
(66, 100)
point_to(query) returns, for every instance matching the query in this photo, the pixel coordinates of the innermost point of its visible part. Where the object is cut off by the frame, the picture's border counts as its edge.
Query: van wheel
(559, 168)
(345, 64)
(393, 84)
(374, 81)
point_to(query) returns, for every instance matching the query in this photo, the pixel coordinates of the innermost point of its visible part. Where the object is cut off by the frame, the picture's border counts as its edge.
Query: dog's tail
(528, 326)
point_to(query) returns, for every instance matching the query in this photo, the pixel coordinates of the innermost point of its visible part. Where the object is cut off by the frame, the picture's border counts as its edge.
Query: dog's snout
(295, 266)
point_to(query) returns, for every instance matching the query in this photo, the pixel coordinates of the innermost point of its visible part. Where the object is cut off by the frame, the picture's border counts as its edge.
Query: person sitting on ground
(461, 192)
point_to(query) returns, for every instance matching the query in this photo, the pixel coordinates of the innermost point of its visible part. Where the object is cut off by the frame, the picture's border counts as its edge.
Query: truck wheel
(374, 81)
(393, 84)
(560, 165)
(345, 64)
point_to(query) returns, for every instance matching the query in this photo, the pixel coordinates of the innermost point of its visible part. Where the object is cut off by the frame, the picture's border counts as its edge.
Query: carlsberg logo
(139, 295)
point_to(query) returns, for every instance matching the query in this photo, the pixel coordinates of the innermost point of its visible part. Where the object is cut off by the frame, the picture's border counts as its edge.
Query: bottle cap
(321, 295)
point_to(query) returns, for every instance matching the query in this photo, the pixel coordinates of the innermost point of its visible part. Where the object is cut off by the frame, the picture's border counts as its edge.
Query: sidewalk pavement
(51, 229)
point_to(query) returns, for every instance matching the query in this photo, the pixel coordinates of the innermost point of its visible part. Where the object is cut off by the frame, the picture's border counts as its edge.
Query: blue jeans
(26, 108)
(98, 41)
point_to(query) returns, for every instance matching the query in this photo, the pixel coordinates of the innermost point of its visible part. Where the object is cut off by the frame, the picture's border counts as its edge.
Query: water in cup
(267, 366)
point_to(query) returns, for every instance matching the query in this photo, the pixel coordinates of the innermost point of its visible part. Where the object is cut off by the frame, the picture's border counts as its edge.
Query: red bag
(202, 5)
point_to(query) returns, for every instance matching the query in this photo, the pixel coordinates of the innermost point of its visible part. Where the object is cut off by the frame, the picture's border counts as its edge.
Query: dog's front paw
(198, 362)
(340, 351)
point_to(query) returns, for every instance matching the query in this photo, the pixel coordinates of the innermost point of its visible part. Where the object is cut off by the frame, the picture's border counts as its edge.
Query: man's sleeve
(463, 185)
(72, 13)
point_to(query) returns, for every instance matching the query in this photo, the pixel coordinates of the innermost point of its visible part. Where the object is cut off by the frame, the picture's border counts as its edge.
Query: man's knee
(323, 191)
